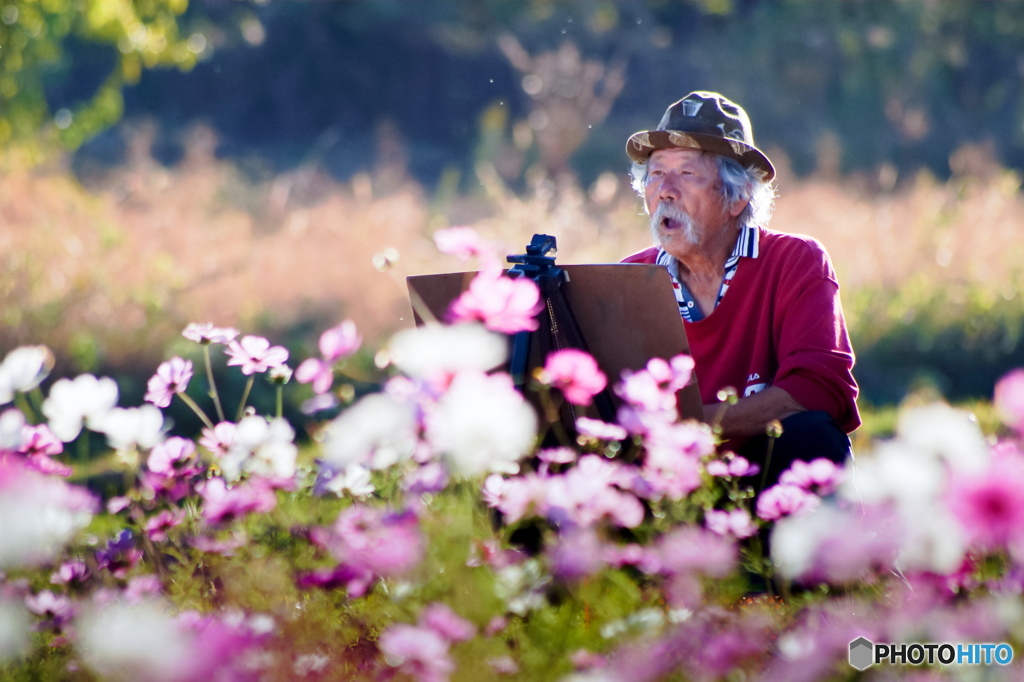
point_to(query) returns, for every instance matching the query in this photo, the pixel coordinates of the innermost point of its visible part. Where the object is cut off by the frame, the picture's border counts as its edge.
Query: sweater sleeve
(814, 352)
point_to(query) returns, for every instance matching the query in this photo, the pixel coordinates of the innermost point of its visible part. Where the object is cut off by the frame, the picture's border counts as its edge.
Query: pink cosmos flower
(206, 333)
(785, 500)
(222, 504)
(733, 467)
(1009, 399)
(317, 372)
(461, 241)
(335, 343)
(990, 504)
(419, 652)
(736, 522)
(575, 373)
(255, 354)
(440, 618)
(579, 553)
(820, 476)
(691, 549)
(385, 543)
(219, 439)
(595, 428)
(38, 444)
(171, 377)
(157, 527)
(39, 441)
(501, 303)
(340, 341)
(175, 456)
(73, 573)
(57, 609)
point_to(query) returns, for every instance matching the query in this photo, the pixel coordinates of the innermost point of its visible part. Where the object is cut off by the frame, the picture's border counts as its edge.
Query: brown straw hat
(703, 120)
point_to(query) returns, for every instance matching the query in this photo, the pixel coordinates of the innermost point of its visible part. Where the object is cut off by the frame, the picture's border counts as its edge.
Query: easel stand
(558, 328)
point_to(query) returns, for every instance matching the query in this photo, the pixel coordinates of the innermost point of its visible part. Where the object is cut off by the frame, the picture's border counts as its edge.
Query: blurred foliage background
(279, 166)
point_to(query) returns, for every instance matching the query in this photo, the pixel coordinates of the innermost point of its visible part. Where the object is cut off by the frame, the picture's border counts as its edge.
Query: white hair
(738, 183)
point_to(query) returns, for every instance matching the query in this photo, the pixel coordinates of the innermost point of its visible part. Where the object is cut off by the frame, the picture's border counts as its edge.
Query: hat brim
(640, 146)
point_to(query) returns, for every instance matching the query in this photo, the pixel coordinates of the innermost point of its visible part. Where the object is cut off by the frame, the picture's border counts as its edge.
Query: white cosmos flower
(137, 641)
(377, 431)
(436, 350)
(23, 369)
(141, 426)
(11, 424)
(261, 447)
(72, 402)
(897, 472)
(354, 478)
(38, 515)
(945, 432)
(933, 541)
(482, 424)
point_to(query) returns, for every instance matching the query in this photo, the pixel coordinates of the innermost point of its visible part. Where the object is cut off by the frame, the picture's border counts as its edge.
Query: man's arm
(750, 416)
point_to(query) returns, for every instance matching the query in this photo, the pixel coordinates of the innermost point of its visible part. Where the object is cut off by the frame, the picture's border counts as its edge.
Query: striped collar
(747, 246)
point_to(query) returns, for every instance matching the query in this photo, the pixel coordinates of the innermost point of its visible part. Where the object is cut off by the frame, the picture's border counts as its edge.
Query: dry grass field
(107, 269)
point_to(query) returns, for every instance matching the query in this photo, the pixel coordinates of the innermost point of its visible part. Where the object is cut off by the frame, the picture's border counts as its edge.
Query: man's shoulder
(648, 255)
(786, 250)
(793, 244)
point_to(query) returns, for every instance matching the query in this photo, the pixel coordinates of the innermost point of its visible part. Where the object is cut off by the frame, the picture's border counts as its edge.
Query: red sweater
(779, 324)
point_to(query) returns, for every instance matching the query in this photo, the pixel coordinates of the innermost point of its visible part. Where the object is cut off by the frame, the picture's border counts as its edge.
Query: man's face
(681, 195)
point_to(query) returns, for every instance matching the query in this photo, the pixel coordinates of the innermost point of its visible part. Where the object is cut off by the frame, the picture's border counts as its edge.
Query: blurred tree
(49, 101)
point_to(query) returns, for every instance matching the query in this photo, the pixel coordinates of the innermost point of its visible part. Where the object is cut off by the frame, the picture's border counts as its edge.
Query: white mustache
(672, 212)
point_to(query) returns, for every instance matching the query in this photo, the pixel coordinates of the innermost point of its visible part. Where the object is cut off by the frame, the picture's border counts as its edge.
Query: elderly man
(761, 308)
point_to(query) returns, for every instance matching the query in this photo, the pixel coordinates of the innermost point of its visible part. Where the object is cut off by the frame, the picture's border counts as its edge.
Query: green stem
(21, 401)
(195, 408)
(213, 385)
(245, 397)
(280, 400)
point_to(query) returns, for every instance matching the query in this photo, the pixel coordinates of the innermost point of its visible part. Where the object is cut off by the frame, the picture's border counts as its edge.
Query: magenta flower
(171, 377)
(736, 522)
(820, 476)
(501, 303)
(206, 333)
(419, 652)
(575, 373)
(990, 504)
(785, 500)
(440, 618)
(222, 504)
(157, 527)
(255, 354)
(1009, 400)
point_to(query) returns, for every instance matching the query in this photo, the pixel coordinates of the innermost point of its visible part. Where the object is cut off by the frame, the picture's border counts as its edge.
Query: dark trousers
(805, 435)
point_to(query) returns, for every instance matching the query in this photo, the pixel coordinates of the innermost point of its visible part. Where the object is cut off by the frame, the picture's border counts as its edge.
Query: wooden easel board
(626, 312)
